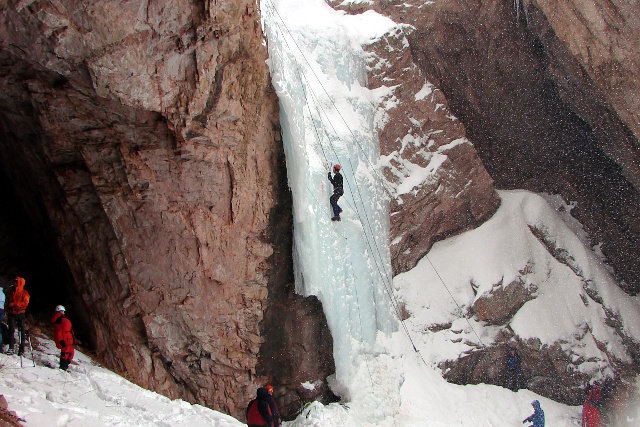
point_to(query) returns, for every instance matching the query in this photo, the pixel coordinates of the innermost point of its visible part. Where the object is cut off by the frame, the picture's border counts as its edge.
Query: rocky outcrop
(544, 372)
(502, 302)
(8, 418)
(532, 87)
(142, 139)
(437, 183)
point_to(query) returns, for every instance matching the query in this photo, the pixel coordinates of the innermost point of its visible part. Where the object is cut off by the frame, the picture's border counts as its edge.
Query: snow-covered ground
(396, 390)
(90, 396)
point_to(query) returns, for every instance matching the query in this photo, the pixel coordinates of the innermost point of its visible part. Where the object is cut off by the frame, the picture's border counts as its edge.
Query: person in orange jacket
(15, 306)
(63, 336)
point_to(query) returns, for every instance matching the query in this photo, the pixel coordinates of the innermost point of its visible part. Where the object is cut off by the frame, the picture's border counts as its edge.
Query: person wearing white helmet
(63, 336)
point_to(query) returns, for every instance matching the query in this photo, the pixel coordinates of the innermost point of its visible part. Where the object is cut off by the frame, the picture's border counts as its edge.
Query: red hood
(20, 283)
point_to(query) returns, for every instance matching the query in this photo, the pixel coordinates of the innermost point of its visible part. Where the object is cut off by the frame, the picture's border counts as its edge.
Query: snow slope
(399, 392)
(574, 294)
(89, 395)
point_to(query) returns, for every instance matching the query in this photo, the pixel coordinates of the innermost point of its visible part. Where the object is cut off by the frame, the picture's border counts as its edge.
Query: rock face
(604, 38)
(142, 138)
(437, 183)
(537, 99)
(542, 372)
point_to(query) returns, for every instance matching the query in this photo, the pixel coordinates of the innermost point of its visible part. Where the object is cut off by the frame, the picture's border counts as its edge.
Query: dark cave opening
(28, 246)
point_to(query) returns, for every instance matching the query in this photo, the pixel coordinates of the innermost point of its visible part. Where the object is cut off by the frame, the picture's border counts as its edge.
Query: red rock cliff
(144, 137)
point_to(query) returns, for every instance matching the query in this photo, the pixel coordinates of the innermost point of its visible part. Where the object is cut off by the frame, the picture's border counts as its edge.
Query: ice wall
(327, 116)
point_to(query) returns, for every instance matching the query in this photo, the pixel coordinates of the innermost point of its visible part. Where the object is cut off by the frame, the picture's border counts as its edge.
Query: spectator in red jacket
(258, 411)
(63, 336)
(590, 412)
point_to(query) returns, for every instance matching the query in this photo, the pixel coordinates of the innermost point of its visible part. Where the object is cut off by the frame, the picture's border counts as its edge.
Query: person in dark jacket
(15, 306)
(537, 418)
(273, 406)
(2, 300)
(258, 411)
(338, 191)
(63, 336)
(513, 370)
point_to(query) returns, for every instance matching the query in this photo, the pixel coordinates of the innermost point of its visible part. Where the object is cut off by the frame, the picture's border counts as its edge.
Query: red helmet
(269, 388)
(336, 167)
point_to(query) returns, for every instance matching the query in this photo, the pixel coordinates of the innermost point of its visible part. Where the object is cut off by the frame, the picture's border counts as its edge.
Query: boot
(335, 218)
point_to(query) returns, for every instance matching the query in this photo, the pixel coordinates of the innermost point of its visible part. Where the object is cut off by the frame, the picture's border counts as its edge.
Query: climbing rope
(364, 219)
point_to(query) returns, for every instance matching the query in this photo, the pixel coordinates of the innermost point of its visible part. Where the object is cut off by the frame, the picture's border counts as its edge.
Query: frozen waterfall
(328, 116)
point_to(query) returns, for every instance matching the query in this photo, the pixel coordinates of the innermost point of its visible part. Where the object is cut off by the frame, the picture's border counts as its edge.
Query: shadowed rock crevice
(298, 346)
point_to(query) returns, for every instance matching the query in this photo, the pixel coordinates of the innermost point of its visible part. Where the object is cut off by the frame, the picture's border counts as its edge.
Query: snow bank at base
(89, 395)
(398, 389)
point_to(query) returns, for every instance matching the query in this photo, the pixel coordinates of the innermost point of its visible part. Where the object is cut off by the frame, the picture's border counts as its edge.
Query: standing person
(338, 191)
(258, 411)
(590, 412)
(513, 370)
(2, 301)
(15, 306)
(63, 336)
(273, 407)
(537, 418)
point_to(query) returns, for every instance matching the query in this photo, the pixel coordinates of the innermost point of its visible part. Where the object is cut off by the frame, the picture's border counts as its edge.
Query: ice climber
(15, 306)
(258, 411)
(273, 407)
(537, 418)
(337, 192)
(590, 412)
(63, 336)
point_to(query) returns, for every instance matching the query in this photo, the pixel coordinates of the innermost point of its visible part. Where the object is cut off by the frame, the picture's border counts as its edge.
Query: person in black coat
(273, 406)
(338, 191)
